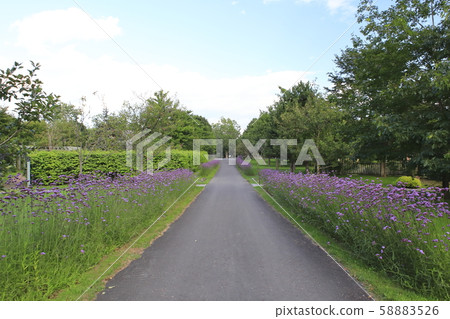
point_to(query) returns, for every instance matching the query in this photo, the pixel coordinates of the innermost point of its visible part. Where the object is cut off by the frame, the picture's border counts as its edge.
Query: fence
(376, 169)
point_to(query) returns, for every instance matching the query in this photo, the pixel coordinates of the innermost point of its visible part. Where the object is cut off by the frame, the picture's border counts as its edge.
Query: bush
(52, 166)
(408, 182)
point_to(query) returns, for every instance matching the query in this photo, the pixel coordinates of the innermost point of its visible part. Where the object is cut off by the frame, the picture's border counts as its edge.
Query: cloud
(333, 6)
(72, 74)
(40, 31)
(234, 3)
(72, 71)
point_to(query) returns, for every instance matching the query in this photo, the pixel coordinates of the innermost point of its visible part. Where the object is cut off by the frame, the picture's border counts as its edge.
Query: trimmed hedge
(48, 166)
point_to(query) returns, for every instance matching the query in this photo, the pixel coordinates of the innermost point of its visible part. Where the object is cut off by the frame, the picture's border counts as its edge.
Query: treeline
(71, 127)
(41, 121)
(390, 99)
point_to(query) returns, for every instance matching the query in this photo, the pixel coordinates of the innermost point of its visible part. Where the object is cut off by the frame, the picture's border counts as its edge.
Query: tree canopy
(394, 83)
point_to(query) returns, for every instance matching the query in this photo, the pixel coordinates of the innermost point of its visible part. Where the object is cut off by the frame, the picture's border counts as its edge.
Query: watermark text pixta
(303, 156)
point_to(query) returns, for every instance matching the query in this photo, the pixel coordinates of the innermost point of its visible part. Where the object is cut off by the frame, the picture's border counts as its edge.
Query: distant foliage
(53, 166)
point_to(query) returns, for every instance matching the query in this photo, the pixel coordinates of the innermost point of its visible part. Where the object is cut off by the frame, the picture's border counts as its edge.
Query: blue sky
(220, 58)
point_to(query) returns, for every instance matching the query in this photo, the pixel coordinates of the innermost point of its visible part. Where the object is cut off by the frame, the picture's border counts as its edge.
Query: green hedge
(48, 166)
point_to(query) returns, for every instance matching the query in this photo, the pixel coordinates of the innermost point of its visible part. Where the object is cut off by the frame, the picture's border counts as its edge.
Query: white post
(28, 172)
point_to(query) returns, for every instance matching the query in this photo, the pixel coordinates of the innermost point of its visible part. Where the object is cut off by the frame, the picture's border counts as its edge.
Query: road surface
(231, 245)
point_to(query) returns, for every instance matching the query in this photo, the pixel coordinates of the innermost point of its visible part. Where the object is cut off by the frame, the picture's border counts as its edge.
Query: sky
(218, 57)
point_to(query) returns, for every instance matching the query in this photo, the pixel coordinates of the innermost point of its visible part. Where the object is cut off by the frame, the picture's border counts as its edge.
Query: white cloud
(243, 12)
(39, 31)
(72, 73)
(333, 6)
(234, 3)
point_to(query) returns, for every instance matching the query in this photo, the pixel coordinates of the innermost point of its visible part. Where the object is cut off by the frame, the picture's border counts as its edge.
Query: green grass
(112, 264)
(379, 285)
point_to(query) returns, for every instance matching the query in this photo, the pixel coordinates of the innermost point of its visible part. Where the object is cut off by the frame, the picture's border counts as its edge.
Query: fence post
(28, 172)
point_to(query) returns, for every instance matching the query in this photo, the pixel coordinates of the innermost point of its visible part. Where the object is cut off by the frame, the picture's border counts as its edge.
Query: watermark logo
(149, 143)
(308, 147)
(146, 143)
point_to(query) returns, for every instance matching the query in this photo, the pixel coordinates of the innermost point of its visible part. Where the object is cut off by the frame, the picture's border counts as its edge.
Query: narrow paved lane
(231, 245)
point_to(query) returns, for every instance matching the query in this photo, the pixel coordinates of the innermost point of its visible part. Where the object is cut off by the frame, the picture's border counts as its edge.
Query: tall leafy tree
(259, 128)
(25, 104)
(226, 129)
(23, 91)
(394, 83)
(303, 113)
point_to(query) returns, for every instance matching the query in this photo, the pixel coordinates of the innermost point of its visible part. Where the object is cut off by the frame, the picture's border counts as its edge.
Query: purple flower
(82, 251)
(42, 253)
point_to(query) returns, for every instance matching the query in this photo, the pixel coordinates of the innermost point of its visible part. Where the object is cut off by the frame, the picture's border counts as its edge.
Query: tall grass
(404, 232)
(208, 167)
(245, 167)
(48, 236)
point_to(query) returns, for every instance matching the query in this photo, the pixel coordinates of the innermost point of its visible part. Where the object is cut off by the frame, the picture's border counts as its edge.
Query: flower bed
(403, 231)
(48, 236)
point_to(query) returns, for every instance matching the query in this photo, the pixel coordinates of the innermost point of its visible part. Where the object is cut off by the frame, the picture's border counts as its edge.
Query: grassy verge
(377, 283)
(90, 283)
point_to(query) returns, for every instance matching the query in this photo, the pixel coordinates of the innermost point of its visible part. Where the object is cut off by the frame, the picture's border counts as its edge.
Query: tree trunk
(383, 168)
(277, 163)
(292, 166)
(445, 184)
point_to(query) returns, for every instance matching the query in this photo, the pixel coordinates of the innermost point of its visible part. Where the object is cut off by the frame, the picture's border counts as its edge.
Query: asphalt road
(231, 245)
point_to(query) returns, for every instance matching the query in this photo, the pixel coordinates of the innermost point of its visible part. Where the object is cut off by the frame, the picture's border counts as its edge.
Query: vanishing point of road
(231, 245)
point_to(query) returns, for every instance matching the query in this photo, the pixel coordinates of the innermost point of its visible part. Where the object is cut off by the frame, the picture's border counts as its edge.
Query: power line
(124, 51)
(118, 45)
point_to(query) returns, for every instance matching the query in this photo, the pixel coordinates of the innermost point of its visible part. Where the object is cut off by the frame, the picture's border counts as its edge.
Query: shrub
(408, 182)
(53, 166)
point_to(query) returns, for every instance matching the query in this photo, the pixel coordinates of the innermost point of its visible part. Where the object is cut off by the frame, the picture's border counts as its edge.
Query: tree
(25, 92)
(164, 114)
(259, 128)
(110, 131)
(156, 114)
(394, 83)
(303, 113)
(26, 105)
(226, 129)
